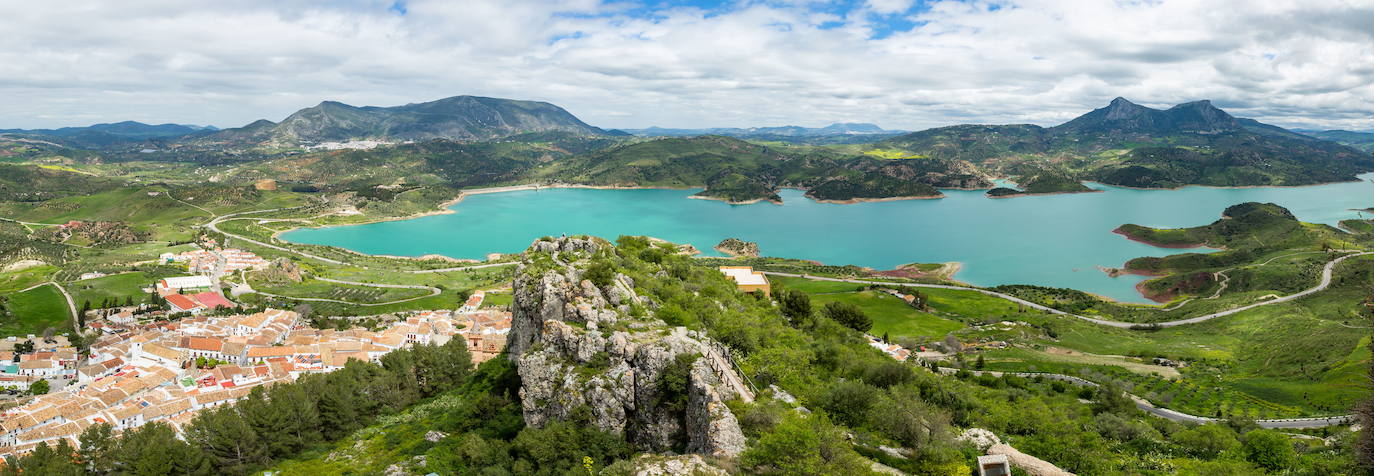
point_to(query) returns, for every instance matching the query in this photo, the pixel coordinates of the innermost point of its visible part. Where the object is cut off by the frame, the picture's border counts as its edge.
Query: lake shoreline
(1024, 194)
(851, 201)
(991, 239)
(1172, 246)
(733, 202)
(1233, 187)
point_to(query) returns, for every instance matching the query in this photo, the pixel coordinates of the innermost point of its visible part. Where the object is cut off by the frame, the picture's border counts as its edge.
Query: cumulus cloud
(899, 63)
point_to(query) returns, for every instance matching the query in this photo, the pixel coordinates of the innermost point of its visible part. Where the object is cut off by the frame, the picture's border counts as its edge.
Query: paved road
(1322, 285)
(71, 305)
(461, 268)
(1147, 407)
(213, 225)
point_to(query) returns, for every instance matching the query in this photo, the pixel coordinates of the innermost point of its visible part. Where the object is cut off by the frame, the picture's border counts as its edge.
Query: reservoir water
(1052, 240)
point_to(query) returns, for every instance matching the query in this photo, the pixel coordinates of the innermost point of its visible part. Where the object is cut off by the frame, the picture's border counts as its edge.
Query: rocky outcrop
(737, 248)
(654, 465)
(573, 365)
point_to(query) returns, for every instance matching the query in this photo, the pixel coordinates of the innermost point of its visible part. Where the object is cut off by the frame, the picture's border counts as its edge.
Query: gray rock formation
(571, 363)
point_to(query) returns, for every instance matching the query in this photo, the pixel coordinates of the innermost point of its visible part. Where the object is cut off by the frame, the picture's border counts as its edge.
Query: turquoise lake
(1054, 240)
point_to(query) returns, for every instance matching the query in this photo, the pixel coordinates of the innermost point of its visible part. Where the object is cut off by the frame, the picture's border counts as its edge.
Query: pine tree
(97, 446)
(228, 440)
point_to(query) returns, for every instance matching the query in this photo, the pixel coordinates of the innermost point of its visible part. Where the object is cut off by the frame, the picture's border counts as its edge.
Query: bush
(848, 402)
(1269, 449)
(804, 445)
(600, 273)
(1207, 441)
(849, 315)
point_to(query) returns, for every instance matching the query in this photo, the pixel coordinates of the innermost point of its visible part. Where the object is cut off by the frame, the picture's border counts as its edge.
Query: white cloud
(1292, 62)
(890, 6)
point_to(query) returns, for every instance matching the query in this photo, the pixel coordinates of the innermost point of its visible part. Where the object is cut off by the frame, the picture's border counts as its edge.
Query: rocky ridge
(581, 354)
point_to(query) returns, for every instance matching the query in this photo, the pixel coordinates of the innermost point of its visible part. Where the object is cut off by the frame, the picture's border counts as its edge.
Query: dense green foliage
(28, 183)
(736, 170)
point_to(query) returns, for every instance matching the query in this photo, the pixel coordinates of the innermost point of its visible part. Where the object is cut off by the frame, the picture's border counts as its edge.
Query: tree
(952, 344)
(227, 439)
(271, 421)
(795, 305)
(97, 448)
(39, 388)
(305, 310)
(1208, 441)
(1269, 449)
(848, 315)
(439, 368)
(904, 416)
(1110, 399)
(45, 460)
(980, 364)
(804, 445)
(22, 348)
(153, 449)
(848, 401)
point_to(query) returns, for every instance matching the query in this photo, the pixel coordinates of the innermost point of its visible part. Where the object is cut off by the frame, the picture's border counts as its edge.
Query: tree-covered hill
(1359, 140)
(1132, 145)
(737, 170)
(29, 183)
(456, 118)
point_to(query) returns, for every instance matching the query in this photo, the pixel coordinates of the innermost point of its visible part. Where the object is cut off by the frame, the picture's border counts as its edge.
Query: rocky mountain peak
(580, 351)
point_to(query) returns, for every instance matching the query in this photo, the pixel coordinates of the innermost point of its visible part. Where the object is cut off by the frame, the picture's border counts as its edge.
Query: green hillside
(455, 118)
(737, 170)
(1132, 145)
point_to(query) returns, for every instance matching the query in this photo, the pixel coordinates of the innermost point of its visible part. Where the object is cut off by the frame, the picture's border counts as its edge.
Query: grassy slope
(34, 310)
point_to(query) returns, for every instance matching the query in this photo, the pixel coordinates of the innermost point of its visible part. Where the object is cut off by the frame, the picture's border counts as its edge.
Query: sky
(902, 64)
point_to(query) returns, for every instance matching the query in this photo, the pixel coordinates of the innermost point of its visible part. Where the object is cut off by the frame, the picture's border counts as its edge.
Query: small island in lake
(736, 247)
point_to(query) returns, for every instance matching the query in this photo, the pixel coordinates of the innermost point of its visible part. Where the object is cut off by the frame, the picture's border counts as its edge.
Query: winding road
(1147, 407)
(1322, 285)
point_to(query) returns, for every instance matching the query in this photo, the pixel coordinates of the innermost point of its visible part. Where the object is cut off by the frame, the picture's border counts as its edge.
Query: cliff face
(581, 354)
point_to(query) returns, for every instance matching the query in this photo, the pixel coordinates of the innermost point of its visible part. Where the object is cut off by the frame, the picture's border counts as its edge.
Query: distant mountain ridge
(1363, 140)
(463, 118)
(106, 134)
(1127, 144)
(836, 129)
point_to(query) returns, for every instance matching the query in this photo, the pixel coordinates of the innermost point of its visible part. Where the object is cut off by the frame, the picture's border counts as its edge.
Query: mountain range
(1132, 145)
(101, 135)
(836, 129)
(463, 118)
(1363, 140)
(1123, 143)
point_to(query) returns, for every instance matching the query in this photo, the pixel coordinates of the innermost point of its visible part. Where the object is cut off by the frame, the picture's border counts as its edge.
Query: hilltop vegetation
(1243, 225)
(1131, 145)
(454, 118)
(737, 170)
(1042, 183)
(1359, 140)
(28, 183)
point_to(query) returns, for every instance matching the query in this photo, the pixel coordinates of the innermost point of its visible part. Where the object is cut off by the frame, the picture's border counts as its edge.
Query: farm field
(32, 311)
(118, 288)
